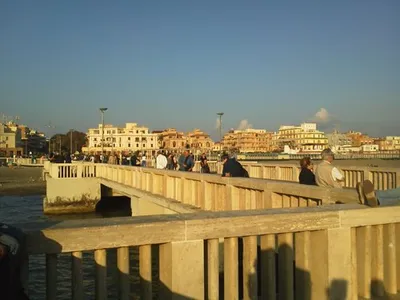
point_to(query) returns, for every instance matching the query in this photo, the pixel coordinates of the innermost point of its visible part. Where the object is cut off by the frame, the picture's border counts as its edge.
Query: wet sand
(21, 181)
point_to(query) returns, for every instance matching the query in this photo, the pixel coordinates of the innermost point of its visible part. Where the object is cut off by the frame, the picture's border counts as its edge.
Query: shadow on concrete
(116, 206)
(297, 283)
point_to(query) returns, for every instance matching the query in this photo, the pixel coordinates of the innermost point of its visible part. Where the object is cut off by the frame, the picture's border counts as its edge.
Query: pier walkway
(225, 238)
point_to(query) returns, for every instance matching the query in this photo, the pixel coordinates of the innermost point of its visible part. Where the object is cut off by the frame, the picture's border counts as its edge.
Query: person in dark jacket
(205, 168)
(306, 174)
(11, 245)
(232, 168)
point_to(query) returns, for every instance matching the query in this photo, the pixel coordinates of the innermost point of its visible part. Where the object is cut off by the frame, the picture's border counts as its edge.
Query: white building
(370, 148)
(122, 139)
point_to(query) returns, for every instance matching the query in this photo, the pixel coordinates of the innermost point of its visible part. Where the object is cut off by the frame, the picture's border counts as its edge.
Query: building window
(151, 145)
(129, 138)
(129, 145)
(137, 145)
(144, 145)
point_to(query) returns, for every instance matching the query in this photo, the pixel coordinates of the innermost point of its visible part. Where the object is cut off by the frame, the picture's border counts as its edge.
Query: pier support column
(333, 269)
(182, 270)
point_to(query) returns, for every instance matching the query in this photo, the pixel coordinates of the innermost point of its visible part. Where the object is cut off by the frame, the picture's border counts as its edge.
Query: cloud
(244, 124)
(322, 116)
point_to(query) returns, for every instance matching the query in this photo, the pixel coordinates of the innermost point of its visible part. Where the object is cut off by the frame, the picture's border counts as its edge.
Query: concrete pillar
(135, 206)
(340, 268)
(182, 270)
(332, 269)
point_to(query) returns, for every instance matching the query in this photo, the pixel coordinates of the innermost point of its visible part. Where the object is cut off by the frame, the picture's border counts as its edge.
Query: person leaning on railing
(327, 175)
(306, 175)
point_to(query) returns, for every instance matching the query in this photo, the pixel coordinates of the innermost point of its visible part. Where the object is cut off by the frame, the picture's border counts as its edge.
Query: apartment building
(304, 138)
(126, 139)
(359, 139)
(248, 140)
(172, 140)
(10, 140)
(199, 141)
(389, 143)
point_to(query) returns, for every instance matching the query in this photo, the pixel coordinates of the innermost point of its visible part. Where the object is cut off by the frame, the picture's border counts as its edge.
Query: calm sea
(19, 210)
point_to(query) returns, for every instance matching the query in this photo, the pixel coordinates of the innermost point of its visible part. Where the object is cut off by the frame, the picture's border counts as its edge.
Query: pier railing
(208, 191)
(382, 178)
(335, 252)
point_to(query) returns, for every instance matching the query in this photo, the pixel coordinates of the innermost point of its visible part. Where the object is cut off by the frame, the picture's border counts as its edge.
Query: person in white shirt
(161, 161)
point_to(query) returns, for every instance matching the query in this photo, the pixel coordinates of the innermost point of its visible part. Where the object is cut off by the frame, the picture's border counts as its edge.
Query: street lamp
(50, 126)
(102, 110)
(220, 114)
(70, 142)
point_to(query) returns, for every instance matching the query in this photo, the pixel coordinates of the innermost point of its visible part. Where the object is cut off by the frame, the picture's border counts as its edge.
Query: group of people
(185, 162)
(327, 175)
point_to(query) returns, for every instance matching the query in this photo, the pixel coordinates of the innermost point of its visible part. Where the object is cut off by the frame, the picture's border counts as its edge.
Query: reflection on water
(20, 210)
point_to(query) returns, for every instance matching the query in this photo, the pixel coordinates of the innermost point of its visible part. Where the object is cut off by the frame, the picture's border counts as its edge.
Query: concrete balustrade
(328, 252)
(382, 178)
(214, 193)
(205, 191)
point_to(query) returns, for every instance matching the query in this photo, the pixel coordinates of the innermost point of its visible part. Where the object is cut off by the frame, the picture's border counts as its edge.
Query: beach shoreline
(21, 181)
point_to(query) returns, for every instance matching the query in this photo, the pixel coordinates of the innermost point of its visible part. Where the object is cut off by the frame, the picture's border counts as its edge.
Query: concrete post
(333, 279)
(182, 270)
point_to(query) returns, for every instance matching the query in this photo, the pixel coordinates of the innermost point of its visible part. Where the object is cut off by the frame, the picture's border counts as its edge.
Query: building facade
(172, 140)
(10, 140)
(303, 139)
(339, 142)
(123, 140)
(359, 139)
(199, 141)
(248, 140)
(390, 143)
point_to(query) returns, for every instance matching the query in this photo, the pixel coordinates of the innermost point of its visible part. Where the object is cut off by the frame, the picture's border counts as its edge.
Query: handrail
(207, 191)
(316, 246)
(83, 235)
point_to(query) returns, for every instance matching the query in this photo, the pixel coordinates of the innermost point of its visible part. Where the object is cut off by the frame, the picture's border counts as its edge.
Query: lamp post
(70, 142)
(50, 126)
(102, 110)
(220, 114)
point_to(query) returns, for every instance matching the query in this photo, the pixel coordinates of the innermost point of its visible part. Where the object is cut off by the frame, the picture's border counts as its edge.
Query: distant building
(10, 140)
(199, 141)
(121, 139)
(172, 140)
(339, 142)
(196, 141)
(390, 143)
(303, 139)
(248, 140)
(359, 139)
(369, 148)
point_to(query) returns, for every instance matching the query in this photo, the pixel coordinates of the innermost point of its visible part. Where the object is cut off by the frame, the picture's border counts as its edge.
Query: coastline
(21, 181)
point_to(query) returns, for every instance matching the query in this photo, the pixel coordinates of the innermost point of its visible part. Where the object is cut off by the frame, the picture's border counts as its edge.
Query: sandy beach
(21, 181)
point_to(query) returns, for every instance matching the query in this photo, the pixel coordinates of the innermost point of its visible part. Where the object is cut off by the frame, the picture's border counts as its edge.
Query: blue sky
(177, 63)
